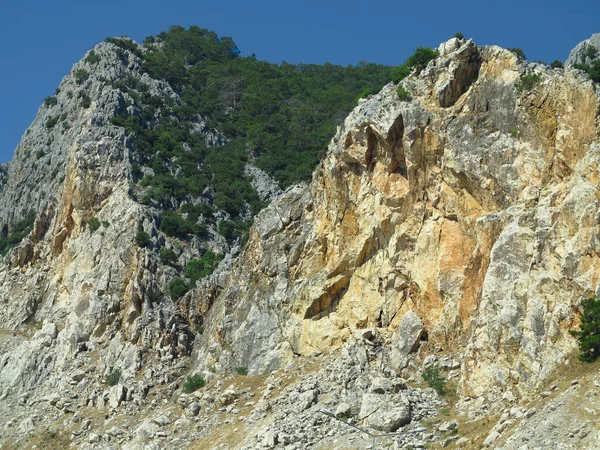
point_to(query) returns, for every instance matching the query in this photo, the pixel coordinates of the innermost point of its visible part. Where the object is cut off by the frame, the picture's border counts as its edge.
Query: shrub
(105, 223)
(200, 268)
(167, 256)
(528, 82)
(81, 75)
(418, 61)
(459, 35)
(434, 379)
(403, 94)
(86, 101)
(113, 378)
(368, 91)
(18, 232)
(193, 383)
(241, 371)
(556, 64)
(593, 70)
(50, 101)
(92, 58)
(51, 122)
(421, 58)
(517, 51)
(174, 225)
(142, 239)
(589, 52)
(39, 154)
(93, 223)
(399, 73)
(178, 288)
(588, 334)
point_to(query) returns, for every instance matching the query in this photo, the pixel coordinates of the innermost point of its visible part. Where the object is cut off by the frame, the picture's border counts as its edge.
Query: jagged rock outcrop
(460, 226)
(106, 293)
(473, 205)
(584, 53)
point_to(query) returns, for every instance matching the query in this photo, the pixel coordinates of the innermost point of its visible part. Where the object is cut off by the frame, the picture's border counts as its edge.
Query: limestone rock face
(473, 205)
(581, 53)
(93, 290)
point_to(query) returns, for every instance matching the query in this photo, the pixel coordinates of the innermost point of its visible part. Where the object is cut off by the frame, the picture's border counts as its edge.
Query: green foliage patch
(113, 378)
(142, 239)
(588, 334)
(17, 233)
(81, 75)
(50, 101)
(178, 287)
(592, 70)
(93, 224)
(168, 256)
(51, 122)
(403, 94)
(199, 268)
(517, 51)
(92, 58)
(241, 371)
(417, 62)
(193, 383)
(435, 379)
(528, 82)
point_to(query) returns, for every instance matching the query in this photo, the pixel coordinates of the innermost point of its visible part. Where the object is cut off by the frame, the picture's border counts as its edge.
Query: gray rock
(161, 420)
(306, 399)
(26, 426)
(116, 395)
(386, 385)
(193, 408)
(266, 186)
(577, 55)
(385, 413)
(146, 429)
(406, 338)
(49, 329)
(343, 410)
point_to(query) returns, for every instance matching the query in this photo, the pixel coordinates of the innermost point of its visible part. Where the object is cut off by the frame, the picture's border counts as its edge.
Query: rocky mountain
(451, 230)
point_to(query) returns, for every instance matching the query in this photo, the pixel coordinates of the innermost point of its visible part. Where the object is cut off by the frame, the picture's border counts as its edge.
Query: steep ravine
(458, 229)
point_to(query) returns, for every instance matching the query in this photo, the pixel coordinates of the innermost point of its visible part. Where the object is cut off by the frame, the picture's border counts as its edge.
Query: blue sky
(41, 40)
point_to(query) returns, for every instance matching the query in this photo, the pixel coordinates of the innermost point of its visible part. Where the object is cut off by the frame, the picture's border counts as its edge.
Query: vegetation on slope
(281, 116)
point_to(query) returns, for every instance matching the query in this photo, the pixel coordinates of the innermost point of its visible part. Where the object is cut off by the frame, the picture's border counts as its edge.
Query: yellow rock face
(480, 217)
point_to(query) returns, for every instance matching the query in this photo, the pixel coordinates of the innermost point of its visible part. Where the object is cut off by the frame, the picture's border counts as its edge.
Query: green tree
(588, 334)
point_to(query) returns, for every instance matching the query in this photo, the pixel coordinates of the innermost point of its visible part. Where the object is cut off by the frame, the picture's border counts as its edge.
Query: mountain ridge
(437, 231)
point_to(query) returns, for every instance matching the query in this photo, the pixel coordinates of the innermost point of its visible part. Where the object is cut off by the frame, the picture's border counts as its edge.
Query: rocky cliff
(456, 229)
(473, 205)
